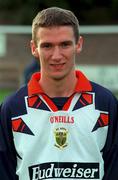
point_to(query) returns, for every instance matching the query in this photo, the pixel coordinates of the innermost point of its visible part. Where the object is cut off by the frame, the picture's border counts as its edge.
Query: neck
(59, 88)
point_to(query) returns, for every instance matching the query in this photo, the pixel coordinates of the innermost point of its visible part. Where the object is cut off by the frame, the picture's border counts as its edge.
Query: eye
(66, 44)
(46, 45)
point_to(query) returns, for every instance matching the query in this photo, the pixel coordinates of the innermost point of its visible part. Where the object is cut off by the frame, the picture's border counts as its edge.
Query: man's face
(56, 49)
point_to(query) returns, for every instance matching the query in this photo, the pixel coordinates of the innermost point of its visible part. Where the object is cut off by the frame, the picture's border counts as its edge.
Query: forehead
(61, 33)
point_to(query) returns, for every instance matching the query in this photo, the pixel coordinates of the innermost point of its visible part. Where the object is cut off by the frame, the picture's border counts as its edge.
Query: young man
(61, 125)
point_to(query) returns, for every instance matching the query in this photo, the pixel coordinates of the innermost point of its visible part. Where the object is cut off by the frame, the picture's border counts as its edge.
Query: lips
(57, 66)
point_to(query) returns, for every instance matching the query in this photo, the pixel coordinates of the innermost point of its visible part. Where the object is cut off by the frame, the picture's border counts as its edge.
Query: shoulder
(101, 91)
(103, 96)
(15, 103)
(16, 96)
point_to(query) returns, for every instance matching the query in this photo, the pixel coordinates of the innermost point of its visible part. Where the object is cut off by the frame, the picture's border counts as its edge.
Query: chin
(58, 76)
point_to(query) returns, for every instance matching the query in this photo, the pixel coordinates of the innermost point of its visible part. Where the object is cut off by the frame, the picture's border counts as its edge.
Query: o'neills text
(64, 170)
(62, 119)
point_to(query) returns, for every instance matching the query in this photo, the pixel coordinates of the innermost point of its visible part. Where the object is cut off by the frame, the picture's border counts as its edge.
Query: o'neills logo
(64, 170)
(62, 119)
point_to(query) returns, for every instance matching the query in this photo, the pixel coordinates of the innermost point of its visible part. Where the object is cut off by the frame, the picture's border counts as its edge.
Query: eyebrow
(51, 43)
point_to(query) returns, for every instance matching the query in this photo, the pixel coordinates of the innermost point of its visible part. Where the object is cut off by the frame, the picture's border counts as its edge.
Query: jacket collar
(83, 84)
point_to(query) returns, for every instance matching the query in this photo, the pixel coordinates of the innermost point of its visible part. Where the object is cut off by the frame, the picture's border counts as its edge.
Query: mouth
(58, 66)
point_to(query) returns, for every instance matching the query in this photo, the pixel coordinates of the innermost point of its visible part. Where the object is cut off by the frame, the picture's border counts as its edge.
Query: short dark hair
(55, 16)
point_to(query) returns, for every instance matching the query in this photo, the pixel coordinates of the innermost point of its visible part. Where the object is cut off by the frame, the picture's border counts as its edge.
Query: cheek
(69, 53)
(72, 54)
(43, 55)
(43, 60)
(73, 50)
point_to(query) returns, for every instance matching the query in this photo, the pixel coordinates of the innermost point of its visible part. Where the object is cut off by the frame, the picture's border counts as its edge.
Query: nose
(56, 54)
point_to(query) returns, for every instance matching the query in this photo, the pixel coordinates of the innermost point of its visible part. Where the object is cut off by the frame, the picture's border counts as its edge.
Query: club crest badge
(60, 135)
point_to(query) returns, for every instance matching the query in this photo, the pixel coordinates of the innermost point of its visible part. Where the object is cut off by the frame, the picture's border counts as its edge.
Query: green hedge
(4, 93)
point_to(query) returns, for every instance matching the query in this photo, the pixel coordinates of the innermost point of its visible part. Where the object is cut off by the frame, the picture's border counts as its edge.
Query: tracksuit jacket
(72, 137)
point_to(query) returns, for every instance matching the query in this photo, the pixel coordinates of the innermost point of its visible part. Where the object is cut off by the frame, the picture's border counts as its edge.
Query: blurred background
(98, 25)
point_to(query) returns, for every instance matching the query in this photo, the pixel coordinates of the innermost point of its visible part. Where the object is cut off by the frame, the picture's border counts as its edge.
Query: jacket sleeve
(110, 153)
(7, 149)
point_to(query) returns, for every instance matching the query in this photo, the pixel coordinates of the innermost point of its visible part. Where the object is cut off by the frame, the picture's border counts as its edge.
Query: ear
(34, 49)
(80, 44)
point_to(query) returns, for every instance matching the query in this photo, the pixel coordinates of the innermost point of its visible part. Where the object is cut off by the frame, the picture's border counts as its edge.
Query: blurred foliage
(87, 11)
(4, 93)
